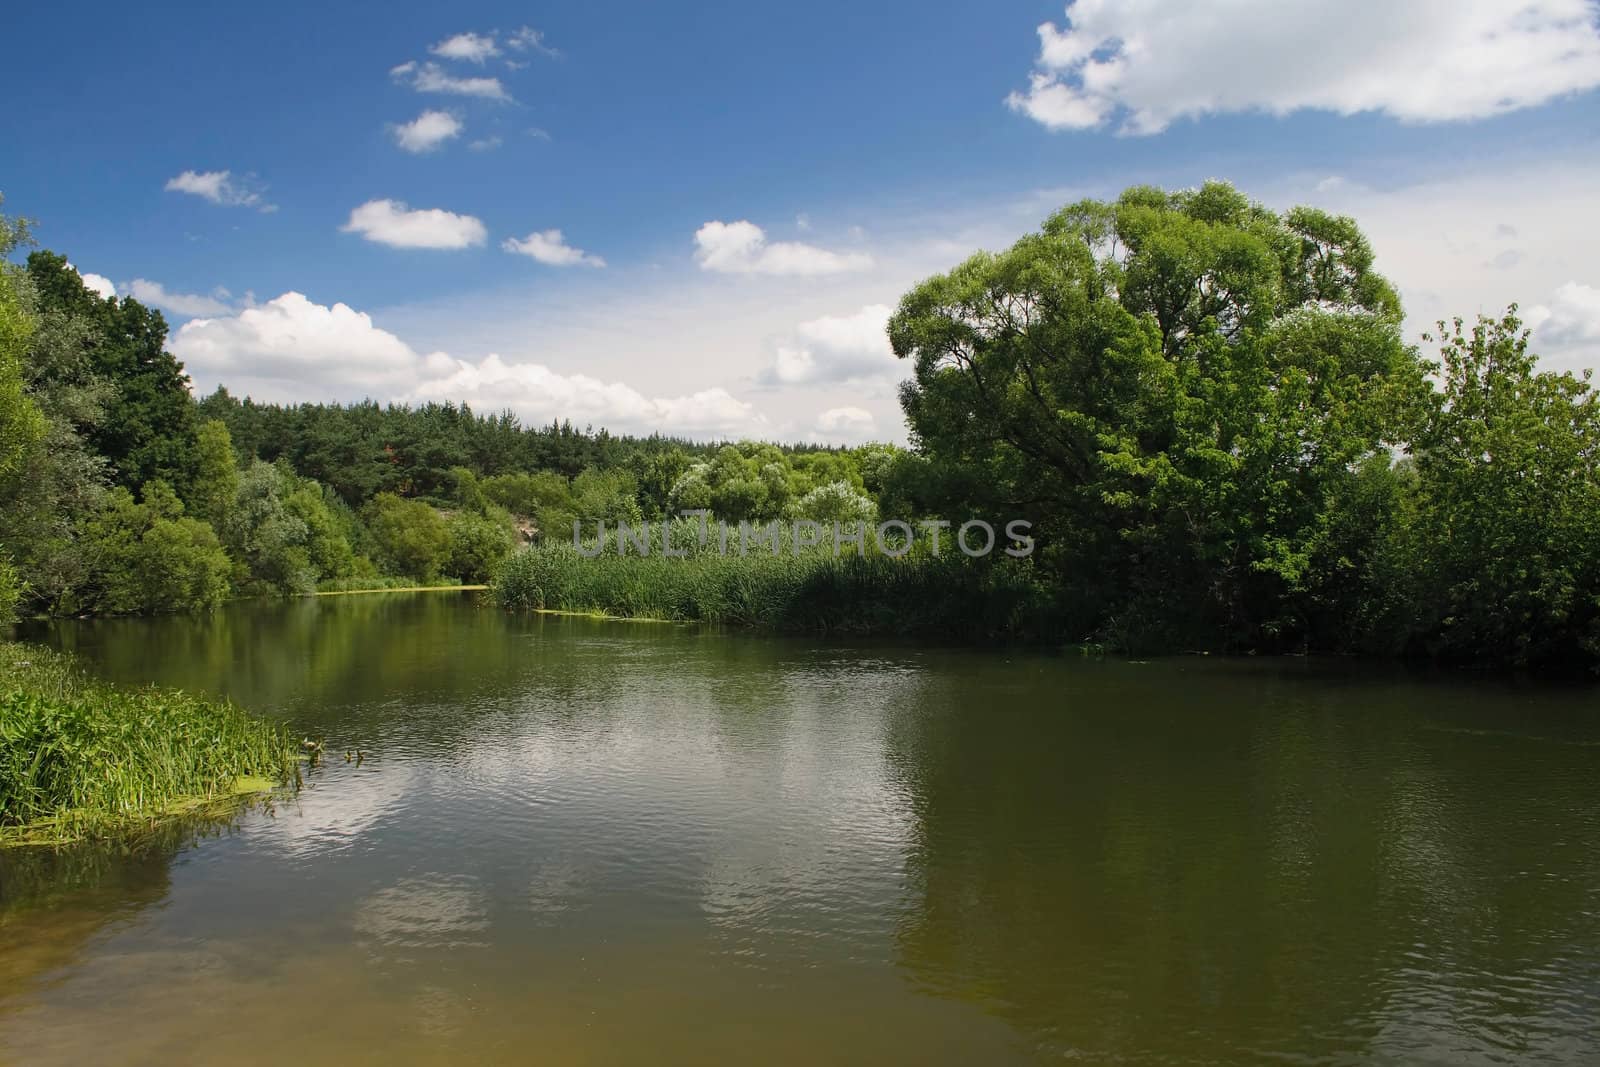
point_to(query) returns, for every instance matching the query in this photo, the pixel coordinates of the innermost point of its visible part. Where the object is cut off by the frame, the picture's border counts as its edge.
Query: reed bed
(81, 758)
(814, 591)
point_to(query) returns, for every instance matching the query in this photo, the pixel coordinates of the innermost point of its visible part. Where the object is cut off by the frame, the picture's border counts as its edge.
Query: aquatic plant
(82, 758)
(949, 596)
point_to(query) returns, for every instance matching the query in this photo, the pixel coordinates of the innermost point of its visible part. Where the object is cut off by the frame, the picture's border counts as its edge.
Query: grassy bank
(951, 597)
(81, 758)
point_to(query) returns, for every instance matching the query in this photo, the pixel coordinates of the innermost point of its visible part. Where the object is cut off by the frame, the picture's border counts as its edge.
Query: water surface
(574, 841)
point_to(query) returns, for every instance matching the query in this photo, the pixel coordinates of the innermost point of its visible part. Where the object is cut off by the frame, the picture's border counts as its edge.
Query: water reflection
(1250, 869)
(576, 840)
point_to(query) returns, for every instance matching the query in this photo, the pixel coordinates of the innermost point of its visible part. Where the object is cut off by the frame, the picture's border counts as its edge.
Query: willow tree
(1182, 390)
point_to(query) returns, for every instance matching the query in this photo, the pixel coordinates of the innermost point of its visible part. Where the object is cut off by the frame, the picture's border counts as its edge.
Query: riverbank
(83, 759)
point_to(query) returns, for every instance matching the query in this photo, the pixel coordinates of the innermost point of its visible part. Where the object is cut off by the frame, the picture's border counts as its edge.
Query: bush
(408, 537)
(149, 557)
(478, 542)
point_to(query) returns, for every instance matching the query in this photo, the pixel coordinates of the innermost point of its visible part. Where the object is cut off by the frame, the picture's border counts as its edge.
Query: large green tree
(1177, 388)
(149, 426)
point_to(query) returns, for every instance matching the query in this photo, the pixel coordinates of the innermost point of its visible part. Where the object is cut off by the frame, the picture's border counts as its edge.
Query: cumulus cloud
(836, 349)
(291, 347)
(220, 187)
(548, 246)
(291, 342)
(427, 131)
(96, 283)
(846, 425)
(471, 47)
(742, 248)
(1153, 62)
(432, 78)
(187, 305)
(1566, 331)
(539, 395)
(391, 223)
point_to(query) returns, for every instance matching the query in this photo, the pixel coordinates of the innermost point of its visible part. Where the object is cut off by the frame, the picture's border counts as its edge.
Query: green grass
(80, 758)
(950, 597)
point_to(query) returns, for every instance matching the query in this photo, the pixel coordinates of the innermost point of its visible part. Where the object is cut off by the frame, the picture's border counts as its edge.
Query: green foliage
(21, 425)
(950, 597)
(61, 479)
(834, 502)
(1500, 536)
(745, 482)
(478, 542)
(285, 534)
(216, 477)
(327, 544)
(11, 591)
(80, 758)
(1177, 388)
(148, 557)
(269, 541)
(408, 537)
(610, 495)
(149, 426)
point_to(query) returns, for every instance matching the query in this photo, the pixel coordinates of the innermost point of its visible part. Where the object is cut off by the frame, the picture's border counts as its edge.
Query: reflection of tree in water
(1155, 863)
(418, 668)
(53, 901)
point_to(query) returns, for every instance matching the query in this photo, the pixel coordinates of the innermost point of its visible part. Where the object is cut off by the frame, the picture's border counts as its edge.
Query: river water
(577, 841)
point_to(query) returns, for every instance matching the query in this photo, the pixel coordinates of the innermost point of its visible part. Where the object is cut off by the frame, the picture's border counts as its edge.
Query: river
(579, 841)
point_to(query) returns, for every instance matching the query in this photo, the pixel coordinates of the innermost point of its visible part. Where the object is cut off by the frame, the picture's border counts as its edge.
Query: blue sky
(742, 190)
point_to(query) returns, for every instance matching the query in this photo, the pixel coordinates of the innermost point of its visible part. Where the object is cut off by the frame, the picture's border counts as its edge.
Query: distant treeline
(119, 493)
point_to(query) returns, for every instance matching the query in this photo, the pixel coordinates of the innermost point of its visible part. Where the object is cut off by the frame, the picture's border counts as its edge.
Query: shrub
(478, 542)
(408, 536)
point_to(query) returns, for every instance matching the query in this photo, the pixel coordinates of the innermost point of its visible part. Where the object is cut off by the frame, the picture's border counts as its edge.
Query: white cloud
(187, 305)
(471, 47)
(837, 348)
(427, 131)
(528, 39)
(539, 395)
(432, 78)
(219, 187)
(291, 348)
(98, 284)
(1566, 331)
(1157, 61)
(1472, 243)
(391, 223)
(548, 246)
(289, 343)
(485, 144)
(846, 426)
(742, 248)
